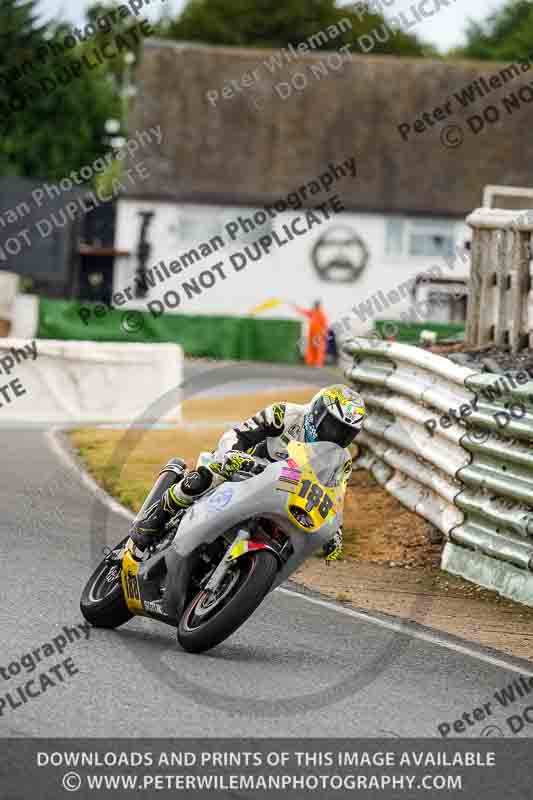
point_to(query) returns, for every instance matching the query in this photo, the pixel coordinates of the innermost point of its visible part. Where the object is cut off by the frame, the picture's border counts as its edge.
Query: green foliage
(104, 182)
(58, 133)
(46, 135)
(269, 23)
(507, 34)
(108, 24)
(19, 30)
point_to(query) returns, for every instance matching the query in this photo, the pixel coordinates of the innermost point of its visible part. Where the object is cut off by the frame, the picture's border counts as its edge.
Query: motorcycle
(218, 559)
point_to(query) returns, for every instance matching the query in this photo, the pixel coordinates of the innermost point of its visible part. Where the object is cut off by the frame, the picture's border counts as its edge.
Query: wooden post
(500, 305)
(474, 291)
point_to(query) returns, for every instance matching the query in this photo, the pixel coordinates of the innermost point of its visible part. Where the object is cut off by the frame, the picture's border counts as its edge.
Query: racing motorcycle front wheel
(209, 619)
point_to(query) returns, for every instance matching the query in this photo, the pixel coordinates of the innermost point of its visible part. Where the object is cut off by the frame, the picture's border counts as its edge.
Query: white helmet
(335, 414)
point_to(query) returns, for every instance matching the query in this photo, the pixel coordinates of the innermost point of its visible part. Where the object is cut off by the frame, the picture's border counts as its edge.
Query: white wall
(286, 273)
(8, 291)
(25, 316)
(45, 381)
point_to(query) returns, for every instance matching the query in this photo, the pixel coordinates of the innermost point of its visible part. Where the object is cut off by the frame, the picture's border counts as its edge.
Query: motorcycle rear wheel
(102, 601)
(201, 628)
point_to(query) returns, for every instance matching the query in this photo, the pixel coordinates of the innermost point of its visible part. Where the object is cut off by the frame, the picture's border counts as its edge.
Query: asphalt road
(297, 667)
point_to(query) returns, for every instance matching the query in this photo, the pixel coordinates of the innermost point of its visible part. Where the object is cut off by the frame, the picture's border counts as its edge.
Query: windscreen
(327, 461)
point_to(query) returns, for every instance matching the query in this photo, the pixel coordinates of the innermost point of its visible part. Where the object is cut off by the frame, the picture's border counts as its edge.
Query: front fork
(236, 549)
(240, 545)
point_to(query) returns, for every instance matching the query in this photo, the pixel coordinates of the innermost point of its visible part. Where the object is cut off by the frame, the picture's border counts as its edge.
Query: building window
(394, 232)
(249, 229)
(428, 238)
(430, 245)
(431, 238)
(199, 225)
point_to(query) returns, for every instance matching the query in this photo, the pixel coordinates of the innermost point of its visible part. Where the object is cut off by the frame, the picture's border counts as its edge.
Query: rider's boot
(156, 510)
(166, 499)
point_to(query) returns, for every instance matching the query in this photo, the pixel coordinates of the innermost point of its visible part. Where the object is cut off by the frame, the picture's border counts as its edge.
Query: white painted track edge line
(399, 627)
(405, 627)
(62, 453)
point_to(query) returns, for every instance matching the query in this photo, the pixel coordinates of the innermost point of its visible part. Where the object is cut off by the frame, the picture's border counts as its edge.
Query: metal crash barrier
(455, 447)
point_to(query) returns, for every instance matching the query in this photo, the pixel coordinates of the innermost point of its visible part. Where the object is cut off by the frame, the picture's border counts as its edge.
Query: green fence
(242, 338)
(409, 332)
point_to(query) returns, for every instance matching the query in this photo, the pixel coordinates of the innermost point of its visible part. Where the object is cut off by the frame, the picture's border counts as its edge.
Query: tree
(506, 35)
(19, 33)
(20, 38)
(53, 120)
(269, 23)
(108, 24)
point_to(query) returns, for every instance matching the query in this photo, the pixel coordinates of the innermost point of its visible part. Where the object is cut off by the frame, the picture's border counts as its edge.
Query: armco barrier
(474, 479)
(43, 381)
(497, 500)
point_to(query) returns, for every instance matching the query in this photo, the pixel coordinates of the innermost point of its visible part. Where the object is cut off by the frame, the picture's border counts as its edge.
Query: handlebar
(260, 465)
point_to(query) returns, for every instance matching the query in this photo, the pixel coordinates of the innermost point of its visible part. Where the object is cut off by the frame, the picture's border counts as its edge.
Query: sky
(444, 30)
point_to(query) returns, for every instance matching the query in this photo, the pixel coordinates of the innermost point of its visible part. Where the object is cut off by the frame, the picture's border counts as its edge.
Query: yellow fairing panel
(320, 502)
(130, 584)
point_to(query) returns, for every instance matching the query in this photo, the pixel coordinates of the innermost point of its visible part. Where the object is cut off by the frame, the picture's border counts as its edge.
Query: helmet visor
(331, 429)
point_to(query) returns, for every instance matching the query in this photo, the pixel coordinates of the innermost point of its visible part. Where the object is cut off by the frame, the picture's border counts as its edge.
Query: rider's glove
(235, 461)
(274, 420)
(333, 549)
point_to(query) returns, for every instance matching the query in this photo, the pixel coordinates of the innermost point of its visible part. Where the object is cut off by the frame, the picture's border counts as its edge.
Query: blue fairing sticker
(220, 499)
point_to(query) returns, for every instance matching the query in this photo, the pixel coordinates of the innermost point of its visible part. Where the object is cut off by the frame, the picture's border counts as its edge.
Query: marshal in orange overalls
(315, 352)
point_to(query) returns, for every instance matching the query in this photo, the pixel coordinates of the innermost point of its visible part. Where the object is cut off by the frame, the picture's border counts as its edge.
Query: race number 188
(315, 497)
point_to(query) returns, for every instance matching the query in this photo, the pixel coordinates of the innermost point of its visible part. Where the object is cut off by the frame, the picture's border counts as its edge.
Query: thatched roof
(234, 153)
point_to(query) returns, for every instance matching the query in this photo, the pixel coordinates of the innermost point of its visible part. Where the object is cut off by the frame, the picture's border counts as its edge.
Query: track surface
(296, 668)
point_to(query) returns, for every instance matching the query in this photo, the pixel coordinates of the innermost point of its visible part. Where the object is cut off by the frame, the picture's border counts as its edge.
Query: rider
(335, 414)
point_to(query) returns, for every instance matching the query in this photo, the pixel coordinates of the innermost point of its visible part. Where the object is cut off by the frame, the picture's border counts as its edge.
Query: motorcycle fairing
(230, 505)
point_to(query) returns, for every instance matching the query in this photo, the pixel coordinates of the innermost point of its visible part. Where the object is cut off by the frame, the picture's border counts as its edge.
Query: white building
(402, 212)
(361, 265)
